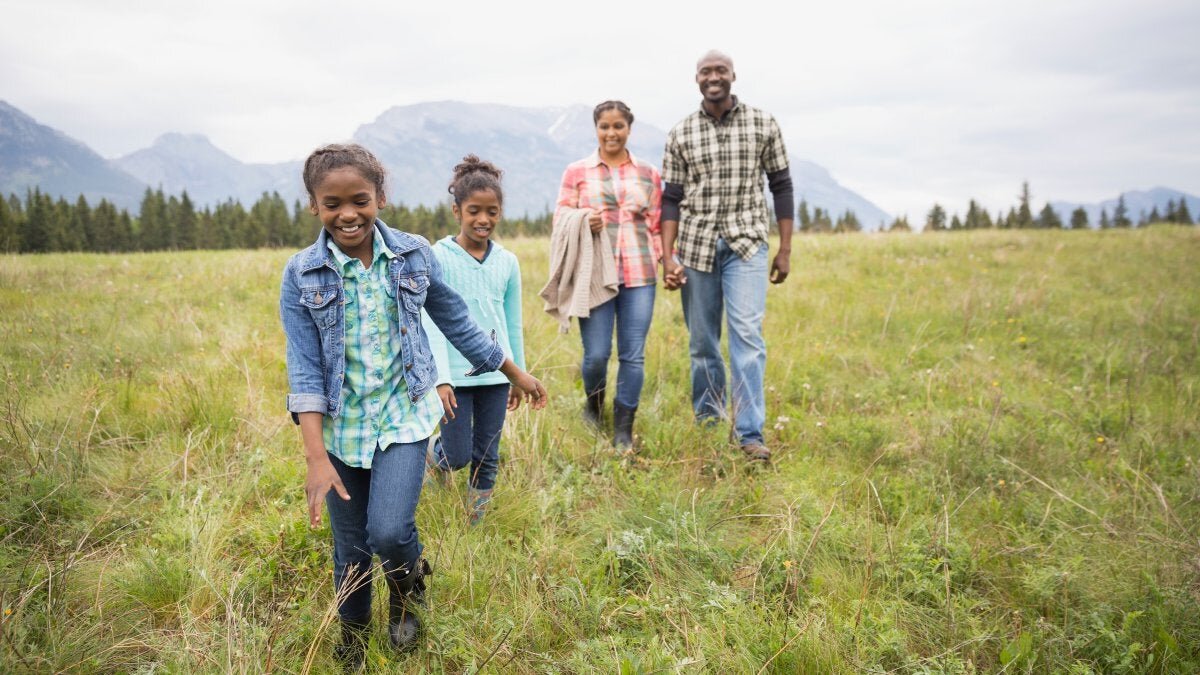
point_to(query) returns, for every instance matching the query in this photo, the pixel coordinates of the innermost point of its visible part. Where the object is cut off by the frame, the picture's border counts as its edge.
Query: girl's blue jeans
(473, 436)
(379, 519)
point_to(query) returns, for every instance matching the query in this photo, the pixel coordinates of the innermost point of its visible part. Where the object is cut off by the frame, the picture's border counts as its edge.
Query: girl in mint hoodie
(489, 279)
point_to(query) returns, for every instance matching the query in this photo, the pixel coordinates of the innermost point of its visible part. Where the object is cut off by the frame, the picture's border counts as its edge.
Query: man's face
(715, 78)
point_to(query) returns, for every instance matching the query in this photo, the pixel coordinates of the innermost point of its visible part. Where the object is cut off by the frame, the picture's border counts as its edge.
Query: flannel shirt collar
(593, 160)
(380, 251)
(737, 106)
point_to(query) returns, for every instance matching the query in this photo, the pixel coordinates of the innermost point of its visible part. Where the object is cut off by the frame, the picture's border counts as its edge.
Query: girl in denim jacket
(362, 381)
(489, 279)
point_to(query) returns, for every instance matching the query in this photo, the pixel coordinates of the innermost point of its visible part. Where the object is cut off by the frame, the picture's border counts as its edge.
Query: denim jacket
(311, 307)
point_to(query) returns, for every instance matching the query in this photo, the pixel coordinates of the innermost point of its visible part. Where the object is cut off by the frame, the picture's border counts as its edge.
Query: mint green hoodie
(492, 291)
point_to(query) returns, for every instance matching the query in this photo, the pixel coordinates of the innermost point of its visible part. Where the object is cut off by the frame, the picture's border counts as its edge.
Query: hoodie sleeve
(512, 313)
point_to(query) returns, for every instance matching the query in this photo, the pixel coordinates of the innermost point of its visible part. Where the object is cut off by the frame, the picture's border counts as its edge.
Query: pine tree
(82, 229)
(1105, 223)
(1024, 212)
(1182, 215)
(1079, 219)
(936, 219)
(1121, 214)
(847, 222)
(1155, 216)
(104, 228)
(1171, 213)
(803, 217)
(900, 224)
(985, 220)
(186, 236)
(1049, 219)
(972, 220)
(10, 240)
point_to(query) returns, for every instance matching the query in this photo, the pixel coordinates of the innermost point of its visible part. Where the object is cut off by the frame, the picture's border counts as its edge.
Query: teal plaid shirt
(376, 410)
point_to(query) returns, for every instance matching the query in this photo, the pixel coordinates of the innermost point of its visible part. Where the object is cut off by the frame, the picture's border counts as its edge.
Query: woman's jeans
(631, 311)
(379, 519)
(474, 433)
(740, 288)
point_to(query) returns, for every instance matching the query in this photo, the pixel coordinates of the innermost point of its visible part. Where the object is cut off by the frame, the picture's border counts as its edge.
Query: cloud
(906, 103)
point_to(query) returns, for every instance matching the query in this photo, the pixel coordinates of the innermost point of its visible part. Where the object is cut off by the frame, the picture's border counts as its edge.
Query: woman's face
(612, 131)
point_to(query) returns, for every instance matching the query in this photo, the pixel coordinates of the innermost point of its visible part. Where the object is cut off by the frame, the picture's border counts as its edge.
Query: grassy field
(987, 459)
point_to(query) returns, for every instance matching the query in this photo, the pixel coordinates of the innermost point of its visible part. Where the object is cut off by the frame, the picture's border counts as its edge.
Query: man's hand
(781, 266)
(449, 403)
(595, 222)
(322, 478)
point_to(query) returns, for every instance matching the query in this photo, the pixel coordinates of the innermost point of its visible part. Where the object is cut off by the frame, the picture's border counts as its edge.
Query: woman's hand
(595, 222)
(449, 403)
(322, 478)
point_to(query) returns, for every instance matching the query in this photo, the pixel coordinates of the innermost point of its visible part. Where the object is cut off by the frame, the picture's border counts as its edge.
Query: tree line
(42, 224)
(1019, 216)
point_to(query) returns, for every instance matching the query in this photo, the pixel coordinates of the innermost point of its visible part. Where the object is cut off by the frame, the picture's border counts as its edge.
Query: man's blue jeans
(631, 311)
(379, 519)
(473, 436)
(740, 288)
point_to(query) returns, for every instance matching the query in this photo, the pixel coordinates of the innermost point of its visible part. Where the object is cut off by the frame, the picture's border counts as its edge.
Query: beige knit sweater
(583, 271)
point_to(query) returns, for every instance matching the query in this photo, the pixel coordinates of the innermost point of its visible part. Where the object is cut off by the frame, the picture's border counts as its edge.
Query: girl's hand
(595, 222)
(527, 386)
(449, 403)
(322, 478)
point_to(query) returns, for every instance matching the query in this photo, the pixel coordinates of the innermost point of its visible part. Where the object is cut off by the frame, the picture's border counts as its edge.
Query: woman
(624, 196)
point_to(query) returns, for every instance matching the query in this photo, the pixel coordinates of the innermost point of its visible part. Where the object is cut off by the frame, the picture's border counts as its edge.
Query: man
(713, 208)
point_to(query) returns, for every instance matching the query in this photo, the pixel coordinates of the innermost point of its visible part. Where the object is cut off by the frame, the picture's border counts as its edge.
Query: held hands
(673, 275)
(449, 403)
(595, 222)
(322, 478)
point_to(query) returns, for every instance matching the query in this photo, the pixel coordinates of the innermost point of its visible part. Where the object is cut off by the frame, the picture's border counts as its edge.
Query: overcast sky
(907, 103)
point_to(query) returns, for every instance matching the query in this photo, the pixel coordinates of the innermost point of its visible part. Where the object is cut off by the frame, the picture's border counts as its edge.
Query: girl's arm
(441, 359)
(322, 477)
(306, 378)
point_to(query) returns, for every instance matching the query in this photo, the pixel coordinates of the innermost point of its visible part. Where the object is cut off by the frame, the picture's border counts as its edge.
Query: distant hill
(35, 155)
(1137, 203)
(421, 143)
(179, 162)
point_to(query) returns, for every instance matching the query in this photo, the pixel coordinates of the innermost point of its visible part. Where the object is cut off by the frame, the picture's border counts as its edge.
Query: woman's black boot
(623, 427)
(593, 410)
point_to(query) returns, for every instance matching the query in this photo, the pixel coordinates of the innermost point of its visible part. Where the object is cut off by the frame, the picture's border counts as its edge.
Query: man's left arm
(780, 183)
(779, 180)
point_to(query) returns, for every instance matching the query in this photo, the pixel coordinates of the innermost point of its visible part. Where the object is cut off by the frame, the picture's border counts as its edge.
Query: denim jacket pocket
(414, 288)
(322, 304)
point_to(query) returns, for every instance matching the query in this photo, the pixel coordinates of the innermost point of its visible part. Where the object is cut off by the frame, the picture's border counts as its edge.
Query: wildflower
(1099, 439)
(806, 386)
(771, 388)
(1000, 483)
(8, 610)
(995, 383)
(778, 426)
(783, 419)
(787, 565)
(1011, 320)
(820, 424)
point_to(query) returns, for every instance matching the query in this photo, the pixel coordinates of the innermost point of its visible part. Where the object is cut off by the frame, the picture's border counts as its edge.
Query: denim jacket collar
(319, 255)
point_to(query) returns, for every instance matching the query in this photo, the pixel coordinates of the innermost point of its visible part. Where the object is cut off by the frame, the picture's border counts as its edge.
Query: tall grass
(986, 459)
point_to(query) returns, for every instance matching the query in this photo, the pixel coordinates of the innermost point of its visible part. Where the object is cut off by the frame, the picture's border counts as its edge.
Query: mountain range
(419, 144)
(1138, 204)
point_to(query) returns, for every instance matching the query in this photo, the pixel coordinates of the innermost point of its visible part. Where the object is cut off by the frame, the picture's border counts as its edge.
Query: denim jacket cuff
(300, 403)
(493, 361)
